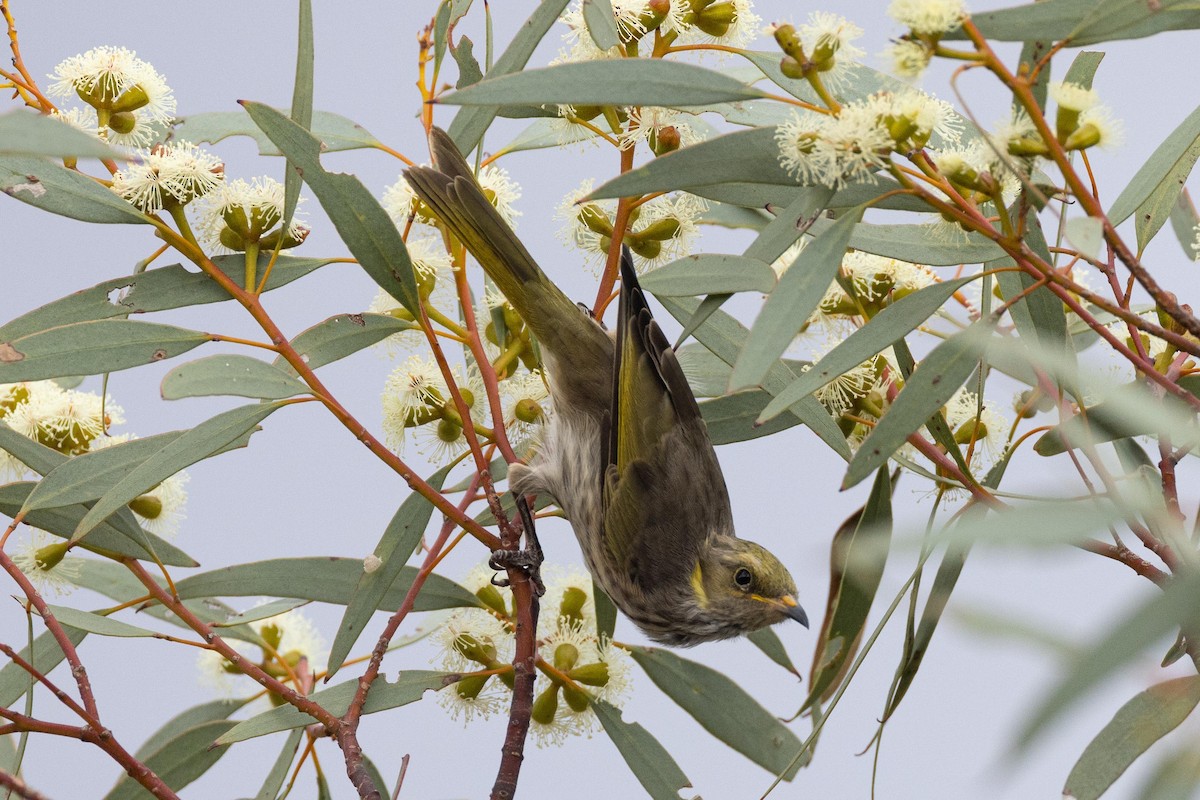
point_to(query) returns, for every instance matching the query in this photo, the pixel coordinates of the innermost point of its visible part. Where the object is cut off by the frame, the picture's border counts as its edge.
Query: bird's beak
(793, 609)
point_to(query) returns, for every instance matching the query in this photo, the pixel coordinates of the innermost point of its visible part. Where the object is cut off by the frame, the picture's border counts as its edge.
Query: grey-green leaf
(54, 188)
(88, 476)
(97, 624)
(211, 711)
(709, 273)
(734, 417)
(90, 348)
(399, 539)
(1184, 221)
(649, 761)
(179, 761)
(408, 687)
(925, 393)
(279, 770)
(333, 130)
(321, 579)
(1141, 722)
(601, 23)
(1083, 21)
(1152, 192)
(343, 335)
(767, 640)
(46, 655)
(789, 306)
(885, 329)
(237, 375)
(212, 436)
(27, 133)
(359, 218)
(623, 82)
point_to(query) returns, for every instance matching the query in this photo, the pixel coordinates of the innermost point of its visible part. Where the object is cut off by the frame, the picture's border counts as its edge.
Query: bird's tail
(451, 191)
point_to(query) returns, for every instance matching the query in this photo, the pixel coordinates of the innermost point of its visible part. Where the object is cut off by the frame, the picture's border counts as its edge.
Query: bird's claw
(528, 560)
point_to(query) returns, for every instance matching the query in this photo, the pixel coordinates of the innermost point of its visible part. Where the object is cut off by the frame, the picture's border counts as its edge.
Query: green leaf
(90, 348)
(469, 71)
(1132, 634)
(787, 308)
(258, 613)
(1175, 778)
(321, 579)
(302, 103)
(469, 124)
(1153, 191)
(601, 23)
(606, 613)
(724, 336)
(925, 393)
(90, 475)
(913, 243)
(1129, 410)
(196, 715)
(734, 217)
(709, 273)
(230, 375)
(1083, 21)
(282, 766)
(884, 330)
(47, 655)
(766, 640)
(119, 534)
(54, 188)
(361, 222)
(399, 539)
(649, 761)
(789, 224)
(333, 130)
(723, 708)
(179, 761)
(1184, 221)
(26, 133)
(154, 290)
(1141, 722)
(622, 82)
(1086, 234)
(95, 623)
(210, 437)
(408, 687)
(859, 553)
(342, 335)
(734, 417)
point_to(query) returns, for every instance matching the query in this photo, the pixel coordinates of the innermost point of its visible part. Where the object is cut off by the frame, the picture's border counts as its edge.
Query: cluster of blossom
(575, 664)
(128, 103)
(290, 648)
(73, 423)
(927, 22)
(732, 23)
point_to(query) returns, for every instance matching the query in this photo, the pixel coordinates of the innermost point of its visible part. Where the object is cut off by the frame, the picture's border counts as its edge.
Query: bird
(626, 454)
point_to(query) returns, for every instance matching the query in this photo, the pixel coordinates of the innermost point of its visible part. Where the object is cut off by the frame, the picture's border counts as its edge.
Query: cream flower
(45, 562)
(132, 100)
(179, 172)
(928, 17)
(244, 211)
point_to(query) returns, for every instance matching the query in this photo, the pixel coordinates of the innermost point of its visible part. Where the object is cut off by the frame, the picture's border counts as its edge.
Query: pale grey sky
(305, 487)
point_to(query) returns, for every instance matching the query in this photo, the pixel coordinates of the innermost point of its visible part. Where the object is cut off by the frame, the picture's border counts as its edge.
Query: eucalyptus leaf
(321, 579)
(1184, 221)
(1138, 724)
(409, 687)
(179, 760)
(27, 133)
(237, 375)
(789, 224)
(91, 348)
(211, 711)
(622, 82)
(96, 623)
(52, 187)
(734, 417)
(360, 220)
(1084, 22)
(709, 273)
(342, 335)
(46, 655)
(334, 131)
(282, 766)
(601, 23)
(767, 640)
(649, 761)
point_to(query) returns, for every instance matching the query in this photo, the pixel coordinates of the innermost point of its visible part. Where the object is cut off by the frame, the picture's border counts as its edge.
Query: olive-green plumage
(626, 454)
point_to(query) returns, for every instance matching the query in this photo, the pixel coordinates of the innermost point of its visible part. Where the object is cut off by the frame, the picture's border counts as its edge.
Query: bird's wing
(663, 488)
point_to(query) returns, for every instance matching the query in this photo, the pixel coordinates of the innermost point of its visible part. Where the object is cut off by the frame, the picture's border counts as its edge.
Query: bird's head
(742, 587)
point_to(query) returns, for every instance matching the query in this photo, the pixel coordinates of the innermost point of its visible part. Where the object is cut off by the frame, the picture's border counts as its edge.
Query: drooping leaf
(623, 82)
(606, 612)
(90, 475)
(158, 289)
(334, 131)
(1184, 221)
(230, 374)
(52, 187)
(25, 133)
(857, 558)
(925, 393)
(210, 437)
(649, 761)
(723, 708)
(601, 23)
(90, 348)
(913, 243)
(260, 612)
(734, 417)
(1152, 192)
(211, 711)
(342, 335)
(789, 306)
(1084, 22)
(14, 681)
(302, 103)
(282, 766)
(709, 273)
(360, 220)
(884, 330)
(767, 640)
(321, 579)
(789, 224)
(399, 539)
(97, 624)
(1140, 723)
(408, 687)
(179, 761)
(470, 123)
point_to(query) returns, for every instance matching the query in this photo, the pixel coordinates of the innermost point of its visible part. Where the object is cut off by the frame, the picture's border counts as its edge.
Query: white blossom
(132, 98)
(44, 561)
(178, 170)
(928, 17)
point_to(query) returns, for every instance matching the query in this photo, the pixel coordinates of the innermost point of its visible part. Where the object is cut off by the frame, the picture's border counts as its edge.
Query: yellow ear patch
(698, 586)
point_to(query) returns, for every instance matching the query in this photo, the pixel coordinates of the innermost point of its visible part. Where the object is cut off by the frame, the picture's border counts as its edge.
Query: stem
(609, 279)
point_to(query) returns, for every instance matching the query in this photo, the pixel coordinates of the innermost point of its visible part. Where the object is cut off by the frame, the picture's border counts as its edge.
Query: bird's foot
(529, 560)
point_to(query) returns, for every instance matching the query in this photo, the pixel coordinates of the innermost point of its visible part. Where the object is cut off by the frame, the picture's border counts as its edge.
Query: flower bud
(131, 99)
(294, 237)
(147, 506)
(122, 121)
(572, 604)
(528, 411)
(469, 686)
(448, 430)
(648, 250)
(789, 42)
(660, 231)
(595, 219)
(471, 648)
(50, 556)
(272, 634)
(590, 674)
(791, 68)
(491, 597)
(545, 705)
(1085, 136)
(664, 140)
(716, 19)
(565, 657)
(973, 430)
(577, 700)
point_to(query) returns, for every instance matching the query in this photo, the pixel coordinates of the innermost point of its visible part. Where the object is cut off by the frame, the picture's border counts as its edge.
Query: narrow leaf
(601, 23)
(766, 640)
(14, 681)
(196, 715)
(30, 134)
(649, 761)
(709, 273)
(336, 132)
(342, 335)
(91, 348)
(54, 188)
(237, 375)
(282, 766)
(1185, 221)
(95, 623)
(179, 761)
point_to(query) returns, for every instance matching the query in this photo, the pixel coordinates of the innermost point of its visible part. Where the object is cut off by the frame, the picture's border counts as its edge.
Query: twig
(620, 222)
(15, 784)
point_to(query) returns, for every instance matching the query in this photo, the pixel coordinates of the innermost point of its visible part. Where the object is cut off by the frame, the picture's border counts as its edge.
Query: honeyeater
(625, 454)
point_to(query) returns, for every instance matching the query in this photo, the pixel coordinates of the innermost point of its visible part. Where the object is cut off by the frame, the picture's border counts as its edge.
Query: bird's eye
(743, 578)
